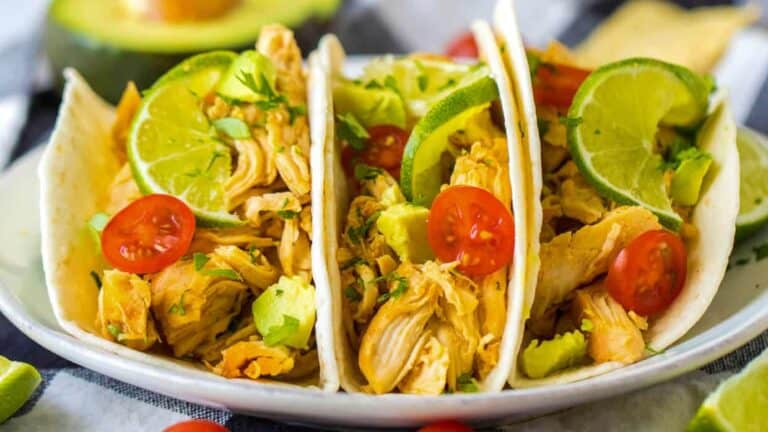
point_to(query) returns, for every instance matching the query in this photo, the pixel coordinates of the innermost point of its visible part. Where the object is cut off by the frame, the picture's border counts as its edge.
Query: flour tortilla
(331, 59)
(714, 215)
(76, 171)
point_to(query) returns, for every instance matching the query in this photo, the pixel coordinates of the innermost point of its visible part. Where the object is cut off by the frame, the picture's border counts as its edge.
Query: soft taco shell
(714, 215)
(331, 59)
(76, 171)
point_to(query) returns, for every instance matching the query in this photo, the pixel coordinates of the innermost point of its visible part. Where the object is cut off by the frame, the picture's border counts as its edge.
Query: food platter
(738, 313)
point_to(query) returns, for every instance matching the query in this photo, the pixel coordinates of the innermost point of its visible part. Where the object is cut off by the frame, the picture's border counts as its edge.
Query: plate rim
(394, 410)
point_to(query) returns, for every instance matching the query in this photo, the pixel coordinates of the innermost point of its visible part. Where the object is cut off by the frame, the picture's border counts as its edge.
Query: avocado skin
(108, 68)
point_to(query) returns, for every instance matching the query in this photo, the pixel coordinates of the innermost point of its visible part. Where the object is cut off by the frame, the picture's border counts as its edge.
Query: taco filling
(619, 191)
(428, 236)
(206, 231)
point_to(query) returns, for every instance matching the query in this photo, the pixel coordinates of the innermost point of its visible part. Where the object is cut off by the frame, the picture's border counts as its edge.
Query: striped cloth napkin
(79, 400)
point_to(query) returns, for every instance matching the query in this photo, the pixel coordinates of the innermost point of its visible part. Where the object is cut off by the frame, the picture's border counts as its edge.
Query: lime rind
(738, 404)
(171, 148)
(18, 382)
(753, 193)
(630, 158)
(469, 96)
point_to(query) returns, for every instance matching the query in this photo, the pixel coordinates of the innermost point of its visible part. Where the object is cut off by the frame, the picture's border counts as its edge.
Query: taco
(636, 184)
(179, 225)
(425, 239)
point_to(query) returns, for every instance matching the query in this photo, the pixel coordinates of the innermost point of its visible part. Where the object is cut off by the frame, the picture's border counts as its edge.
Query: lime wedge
(171, 147)
(753, 189)
(17, 383)
(424, 169)
(612, 126)
(420, 81)
(739, 403)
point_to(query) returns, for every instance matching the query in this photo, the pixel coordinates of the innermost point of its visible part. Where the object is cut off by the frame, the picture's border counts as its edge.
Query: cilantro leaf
(543, 126)
(534, 61)
(357, 234)
(178, 308)
(287, 214)
(352, 294)
(200, 259)
(277, 334)
(232, 127)
(367, 172)
(350, 130)
(223, 273)
(114, 331)
(402, 286)
(351, 263)
(467, 384)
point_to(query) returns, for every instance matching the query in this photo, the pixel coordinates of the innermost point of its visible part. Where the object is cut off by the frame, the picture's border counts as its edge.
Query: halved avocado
(109, 47)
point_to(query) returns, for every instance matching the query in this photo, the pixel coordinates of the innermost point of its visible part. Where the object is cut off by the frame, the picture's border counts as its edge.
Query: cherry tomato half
(463, 46)
(384, 149)
(556, 84)
(446, 426)
(468, 224)
(148, 235)
(196, 426)
(649, 273)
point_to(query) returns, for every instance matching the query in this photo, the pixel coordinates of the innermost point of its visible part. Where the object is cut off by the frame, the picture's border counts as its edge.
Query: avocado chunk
(689, 176)
(371, 106)
(541, 359)
(249, 65)
(285, 312)
(405, 230)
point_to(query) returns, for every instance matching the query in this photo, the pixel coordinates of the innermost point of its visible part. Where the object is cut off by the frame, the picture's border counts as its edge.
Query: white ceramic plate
(738, 313)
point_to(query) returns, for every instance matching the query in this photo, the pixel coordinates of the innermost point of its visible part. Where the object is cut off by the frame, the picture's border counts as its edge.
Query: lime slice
(753, 189)
(424, 166)
(739, 402)
(17, 383)
(420, 81)
(171, 147)
(612, 126)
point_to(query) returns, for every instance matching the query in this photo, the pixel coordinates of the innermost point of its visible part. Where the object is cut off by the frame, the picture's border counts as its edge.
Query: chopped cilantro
(223, 273)
(114, 331)
(351, 263)
(178, 308)
(96, 279)
(543, 126)
(251, 254)
(534, 61)
(366, 172)
(467, 384)
(232, 127)
(402, 286)
(296, 111)
(761, 251)
(423, 82)
(271, 99)
(742, 261)
(758, 201)
(199, 259)
(587, 325)
(357, 234)
(597, 131)
(282, 332)
(350, 130)
(391, 83)
(278, 292)
(352, 294)
(287, 214)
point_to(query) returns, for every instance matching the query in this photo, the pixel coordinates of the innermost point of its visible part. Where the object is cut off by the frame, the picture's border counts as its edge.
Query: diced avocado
(249, 63)
(541, 359)
(405, 230)
(689, 176)
(290, 301)
(371, 106)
